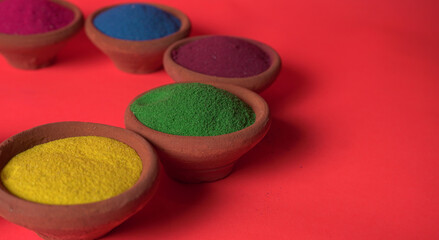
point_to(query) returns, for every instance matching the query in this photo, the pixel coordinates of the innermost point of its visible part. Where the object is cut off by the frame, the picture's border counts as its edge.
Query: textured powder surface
(72, 171)
(23, 17)
(222, 56)
(136, 22)
(192, 109)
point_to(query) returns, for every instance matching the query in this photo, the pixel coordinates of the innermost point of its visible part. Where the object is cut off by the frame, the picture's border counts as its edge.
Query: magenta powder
(25, 17)
(222, 56)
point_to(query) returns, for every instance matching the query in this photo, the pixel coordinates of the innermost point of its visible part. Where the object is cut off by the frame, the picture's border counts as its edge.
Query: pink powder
(25, 17)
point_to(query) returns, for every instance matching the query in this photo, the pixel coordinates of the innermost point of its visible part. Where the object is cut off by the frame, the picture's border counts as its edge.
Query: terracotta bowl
(256, 83)
(205, 158)
(81, 221)
(137, 56)
(35, 51)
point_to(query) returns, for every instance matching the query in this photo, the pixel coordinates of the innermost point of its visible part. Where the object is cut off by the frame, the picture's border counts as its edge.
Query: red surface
(352, 153)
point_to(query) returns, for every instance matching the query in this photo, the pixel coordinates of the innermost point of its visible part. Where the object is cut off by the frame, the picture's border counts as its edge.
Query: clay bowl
(195, 159)
(36, 51)
(81, 221)
(137, 56)
(256, 83)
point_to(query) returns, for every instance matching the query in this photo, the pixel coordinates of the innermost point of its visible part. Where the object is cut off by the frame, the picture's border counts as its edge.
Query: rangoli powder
(72, 170)
(23, 17)
(136, 22)
(222, 56)
(192, 109)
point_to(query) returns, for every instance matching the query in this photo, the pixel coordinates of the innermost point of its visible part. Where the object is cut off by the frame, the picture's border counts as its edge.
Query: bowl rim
(147, 180)
(75, 23)
(168, 61)
(184, 20)
(262, 116)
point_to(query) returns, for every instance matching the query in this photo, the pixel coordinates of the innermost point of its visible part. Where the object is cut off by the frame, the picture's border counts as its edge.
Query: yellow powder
(72, 171)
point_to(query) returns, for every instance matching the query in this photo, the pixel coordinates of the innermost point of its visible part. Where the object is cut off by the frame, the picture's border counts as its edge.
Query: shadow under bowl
(80, 221)
(34, 51)
(257, 83)
(136, 56)
(195, 159)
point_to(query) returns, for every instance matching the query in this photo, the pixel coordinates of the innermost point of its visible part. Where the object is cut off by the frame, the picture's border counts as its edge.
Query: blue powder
(136, 22)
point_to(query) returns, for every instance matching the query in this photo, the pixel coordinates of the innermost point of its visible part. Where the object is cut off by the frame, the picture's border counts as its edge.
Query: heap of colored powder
(72, 171)
(23, 17)
(136, 22)
(222, 56)
(192, 109)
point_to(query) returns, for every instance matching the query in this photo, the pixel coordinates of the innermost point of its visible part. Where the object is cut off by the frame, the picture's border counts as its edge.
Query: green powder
(192, 109)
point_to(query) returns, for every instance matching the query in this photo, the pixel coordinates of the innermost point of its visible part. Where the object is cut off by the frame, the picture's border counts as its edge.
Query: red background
(352, 152)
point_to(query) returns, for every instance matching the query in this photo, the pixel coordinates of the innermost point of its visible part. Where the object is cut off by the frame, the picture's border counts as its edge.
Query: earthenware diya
(36, 51)
(195, 159)
(80, 221)
(257, 83)
(137, 56)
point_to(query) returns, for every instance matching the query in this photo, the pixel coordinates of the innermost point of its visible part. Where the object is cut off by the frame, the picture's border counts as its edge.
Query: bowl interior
(256, 102)
(267, 49)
